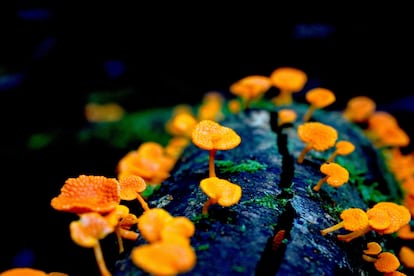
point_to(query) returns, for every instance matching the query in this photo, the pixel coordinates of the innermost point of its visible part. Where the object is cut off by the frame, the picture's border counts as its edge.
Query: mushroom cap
(88, 193)
(378, 219)
(286, 116)
(320, 97)
(344, 147)
(354, 219)
(399, 215)
(338, 175)
(164, 258)
(406, 256)
(359, 109)
(178, 226)
(405, 232)
(251, 87)
(386, 262)
(289, 79)
(181, 124)
(373, 248)
(23, 271)
(210, 135)
(151, 223)
(318, 135)
(89, 229)
(225, 192)
(130, 186)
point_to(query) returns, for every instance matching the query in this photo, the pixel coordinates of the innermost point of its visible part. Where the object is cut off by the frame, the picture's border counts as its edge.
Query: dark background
(52, 57)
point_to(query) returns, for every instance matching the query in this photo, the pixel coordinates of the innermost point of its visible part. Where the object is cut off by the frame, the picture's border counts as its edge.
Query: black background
(172, 54)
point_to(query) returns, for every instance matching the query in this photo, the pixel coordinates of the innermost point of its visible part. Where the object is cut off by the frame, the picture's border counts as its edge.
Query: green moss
(238, 268)
(203, 247)
(370, 193)
(267, 201)
(228, 166)
(40, 140)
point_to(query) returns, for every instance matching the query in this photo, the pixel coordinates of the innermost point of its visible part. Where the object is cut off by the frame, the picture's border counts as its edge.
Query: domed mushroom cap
(211, 135)
(89, 229)
(289, 79)
(225, 192)
(399, 216)
(338, 175)
(378, 219)
(178, 226)
(344, 147)
(373, 248)
(251, 87)
(130, 186)
(405, 232)
(286, 116)
(406, 256)
(88, 193)
(354, 219)
(318, 135)
(24, 271)
(386, 262)
(164, 258)
(320, 97)
(151, 223)
(359, 109)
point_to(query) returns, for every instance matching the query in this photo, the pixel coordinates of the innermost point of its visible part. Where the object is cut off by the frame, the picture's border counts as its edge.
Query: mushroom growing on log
(277, 203)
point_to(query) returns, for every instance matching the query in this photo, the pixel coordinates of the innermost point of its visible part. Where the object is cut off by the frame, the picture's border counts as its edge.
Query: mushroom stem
(143, 203)
(211, 167)
(332, 228)
(303, 153)
(369, 258)
(119, 239)
(100, 260)
(309, 113)
(332, 157)
(207, 204)
(355, 234)
(128, 234)
(318, 185)
(284, 98)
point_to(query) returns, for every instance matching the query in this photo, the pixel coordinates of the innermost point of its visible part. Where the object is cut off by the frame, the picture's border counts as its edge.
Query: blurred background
(52, 58)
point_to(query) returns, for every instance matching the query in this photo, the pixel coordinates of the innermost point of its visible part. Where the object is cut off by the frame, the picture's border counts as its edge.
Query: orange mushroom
(288, 80)
(406, 256)
(316, 136)
(336, 175)
(405, 232)
(88, 193)
(219, 191)
(373, 248)
(359, 109)
(352, 219)
(87, 231)
(385, 262)
(318, 98)
(286, 116)
(164, 258)
(250, 88)
(211, 107)
(341, 148)
(212, 136)
(151, 222)
(181, 124)
(399, 216)
(131, 187)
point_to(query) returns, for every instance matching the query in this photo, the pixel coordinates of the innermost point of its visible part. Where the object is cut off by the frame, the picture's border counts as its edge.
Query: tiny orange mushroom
(212, 136)
(405, 232)
(250, 88)
(359, 109)
(286, 116)
(352, 219)
(131, 188)
(219, 191)
(318, 98)
(385, 262)
(164, 258)
(406, 256)
(341, 148)
(288, 80)
(336, 175)
(28, 271)
(373, 248)
(88, 193)
(87, 231)
(316, 136)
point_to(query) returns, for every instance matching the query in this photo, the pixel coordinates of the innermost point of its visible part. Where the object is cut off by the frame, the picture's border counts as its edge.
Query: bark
(275, 228)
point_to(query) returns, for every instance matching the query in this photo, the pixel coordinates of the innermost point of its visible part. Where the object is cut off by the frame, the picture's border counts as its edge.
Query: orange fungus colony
(98, 202)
